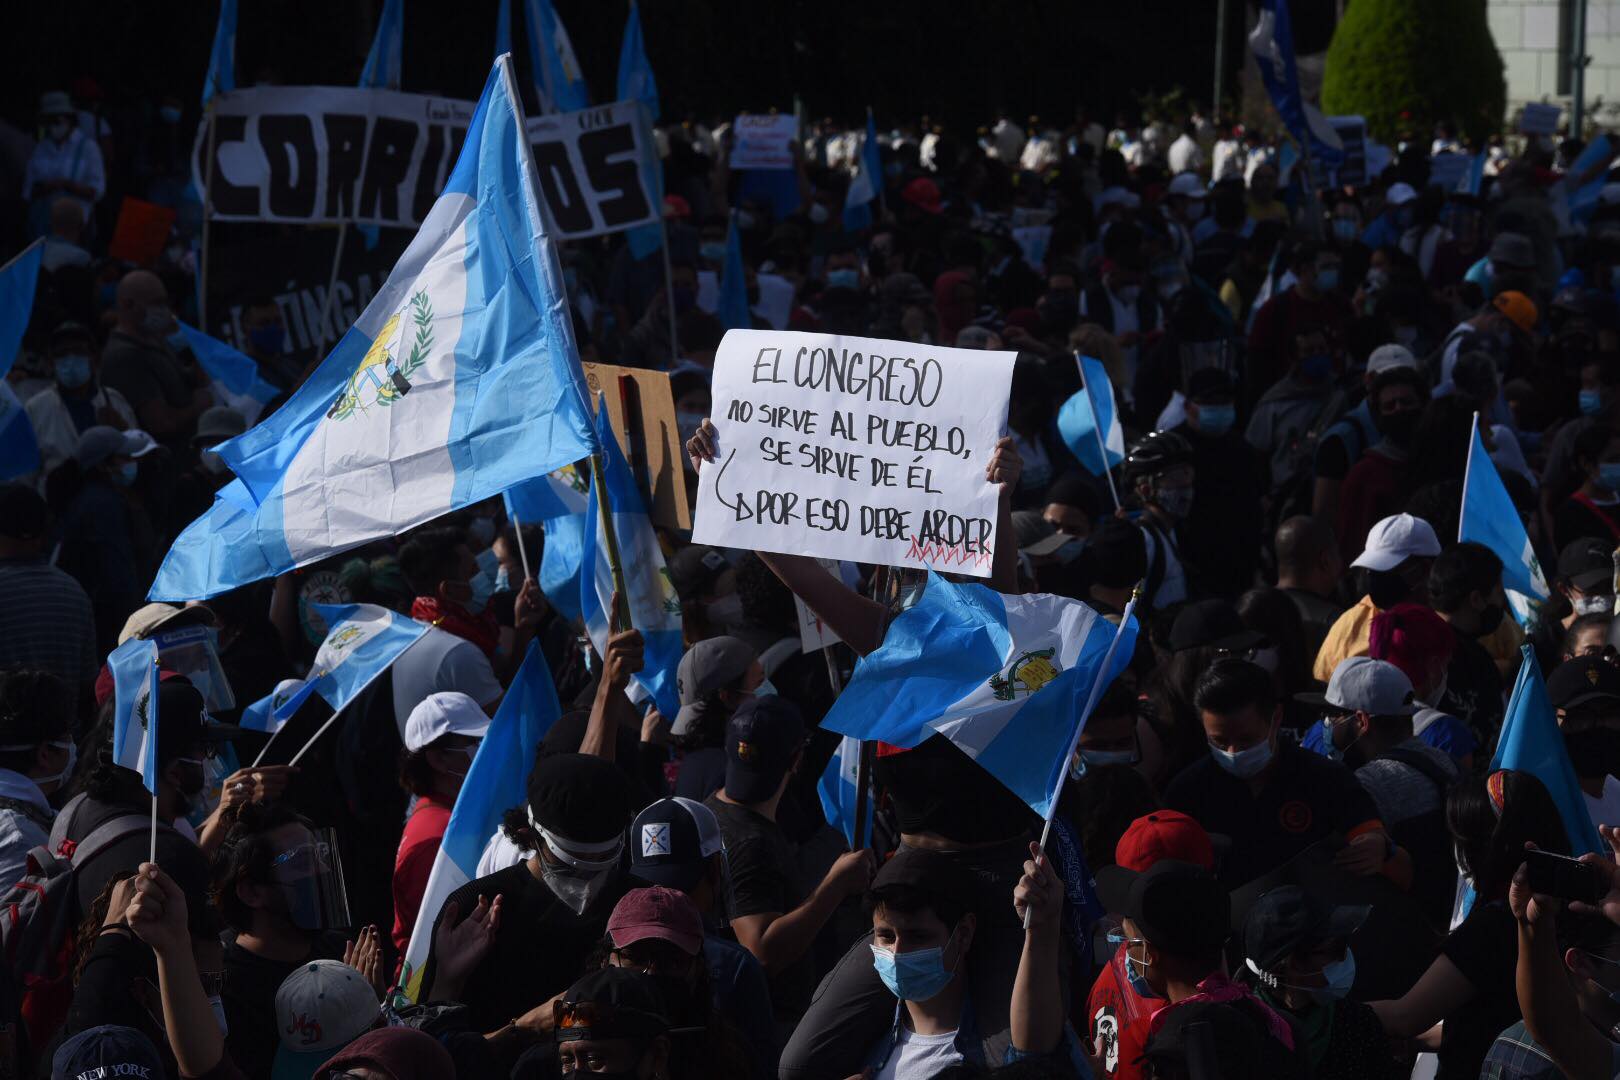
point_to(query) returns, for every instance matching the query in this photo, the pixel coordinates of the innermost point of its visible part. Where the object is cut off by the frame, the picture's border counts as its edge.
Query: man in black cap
(553, 907)
(707, 586)
(1221, 535)
(1585, 579)
(612, 1022)
(1586, 693)
(1176, 919)
(770, 915)
(714, 677)
(1297, 955)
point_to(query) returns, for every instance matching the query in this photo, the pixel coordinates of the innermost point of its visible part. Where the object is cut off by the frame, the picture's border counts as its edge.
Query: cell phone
(1564, 877)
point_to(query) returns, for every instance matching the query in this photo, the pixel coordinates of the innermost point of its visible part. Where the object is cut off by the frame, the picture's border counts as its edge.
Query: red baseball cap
(656, 913)
(923, 193)
(1164, 834)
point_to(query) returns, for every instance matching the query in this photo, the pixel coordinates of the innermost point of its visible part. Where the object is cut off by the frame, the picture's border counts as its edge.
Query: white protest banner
(854, 448)
(763, 142)
(1539, 118)
(815, 635)
(1352, 132)
(325, 154)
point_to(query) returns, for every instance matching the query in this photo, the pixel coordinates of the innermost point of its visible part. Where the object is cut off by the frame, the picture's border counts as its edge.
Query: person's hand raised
(702, 447)
(157, 911)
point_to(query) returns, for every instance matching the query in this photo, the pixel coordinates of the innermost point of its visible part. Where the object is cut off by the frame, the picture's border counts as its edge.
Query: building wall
(1533, 37)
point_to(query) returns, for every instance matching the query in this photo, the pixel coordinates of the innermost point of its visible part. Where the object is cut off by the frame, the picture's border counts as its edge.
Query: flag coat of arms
(362, 641)
(459, 380)
(134, 668)
(1005, 678)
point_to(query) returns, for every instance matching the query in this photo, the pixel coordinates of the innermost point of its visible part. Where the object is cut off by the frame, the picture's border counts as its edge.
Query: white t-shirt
(1605, 810)
(920, 1057)
(441, 661)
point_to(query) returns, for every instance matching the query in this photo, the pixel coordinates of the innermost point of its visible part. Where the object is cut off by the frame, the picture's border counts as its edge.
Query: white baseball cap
(449, 712)
(1400, 194)
(1390, 357)
(1362, 684)
(321, 1007)
(1395, 539)
(1188, 184)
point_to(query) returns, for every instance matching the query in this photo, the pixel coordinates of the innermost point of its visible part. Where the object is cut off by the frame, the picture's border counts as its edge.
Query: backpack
(1426, 837)
(39, 916)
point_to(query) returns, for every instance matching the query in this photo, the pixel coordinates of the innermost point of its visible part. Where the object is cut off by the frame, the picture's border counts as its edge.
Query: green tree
(1408, 64)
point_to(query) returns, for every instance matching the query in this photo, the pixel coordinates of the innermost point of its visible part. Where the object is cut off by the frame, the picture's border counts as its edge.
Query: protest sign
(815, 635)
(324, 154)
(854, 448)
(1446, 171)
(1352, 132)
(141, 231)
(1539, 118)
(763, 142)
(642, 412)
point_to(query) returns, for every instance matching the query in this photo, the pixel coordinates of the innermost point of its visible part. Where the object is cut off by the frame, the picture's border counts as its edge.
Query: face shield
(193, 652)
(310, 879)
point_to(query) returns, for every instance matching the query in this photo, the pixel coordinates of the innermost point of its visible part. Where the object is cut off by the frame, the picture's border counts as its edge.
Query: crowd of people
(1277, 800)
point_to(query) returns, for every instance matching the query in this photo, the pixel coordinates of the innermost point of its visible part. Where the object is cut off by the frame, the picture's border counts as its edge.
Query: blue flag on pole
(557, 503)
(496, 782)
(1531, 742)
(384, 63)
(134, 668)
(19, 449)
(732, 309)
(1272, 42)
(558, 79)
(1489, 517)
(636, 82)
(221, 77)
(263, 716)
(1005, 678)
(1474, 179)
(362, 641)
(235, 374)
(838, 789)
(654, 608)
(1583, 199)
(460, 379)
(1090, 408)
(867, 183)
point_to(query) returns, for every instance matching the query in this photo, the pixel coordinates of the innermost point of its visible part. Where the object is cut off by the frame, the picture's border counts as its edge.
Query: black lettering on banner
(345, 154)
(227, 198)
(569, 211)
(428, 182)
(388, 161)
(288, 141)
(609, 156)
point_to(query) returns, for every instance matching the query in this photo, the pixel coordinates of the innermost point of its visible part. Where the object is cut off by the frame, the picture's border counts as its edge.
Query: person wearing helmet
(1159, 471)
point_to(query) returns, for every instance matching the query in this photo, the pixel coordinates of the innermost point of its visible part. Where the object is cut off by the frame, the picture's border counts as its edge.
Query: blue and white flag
(460, 379)
(134, 668)
(235, 375)
(1272, 42)
(1474, 180)
(867, 183)
(654, 608)
(1489, 517)
(362, 640)
(1005, 678)
(263, 716)
(1531, 742)
(555, 502)
(19, 449)
(221, 77)
(732, 310)
(384, 64)
(558, 80)
(1092, 408)
(636, 82)
(838, 788)
(1593, 163)
(496, 782)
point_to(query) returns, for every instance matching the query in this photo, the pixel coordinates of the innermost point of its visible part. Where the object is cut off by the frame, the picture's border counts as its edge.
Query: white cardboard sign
(764, 142)
(854, 448)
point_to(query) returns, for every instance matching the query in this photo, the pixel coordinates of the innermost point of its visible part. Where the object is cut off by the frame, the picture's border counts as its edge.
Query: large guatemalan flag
(459, 380)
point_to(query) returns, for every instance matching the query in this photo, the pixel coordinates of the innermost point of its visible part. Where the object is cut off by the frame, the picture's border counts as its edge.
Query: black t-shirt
(248, 992)
(1317, 614)
(1485, 949)
(765, 878)
(1473, 688)
(1306, 798)
(936, 788)
(539, 950)
(703, 772)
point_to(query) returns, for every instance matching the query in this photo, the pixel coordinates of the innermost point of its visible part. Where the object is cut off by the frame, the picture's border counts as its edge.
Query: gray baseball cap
(707, 666)
(1362, 684)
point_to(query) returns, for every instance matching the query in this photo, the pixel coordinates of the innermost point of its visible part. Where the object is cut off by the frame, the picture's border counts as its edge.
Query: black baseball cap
(579, 797)
(671, 843)
(1587, 563)
(1212, 624)
(1115, 555)
(1179, 907)
(933, 873)
(108, 1050)
(761, 738)
(1288, 919)
(1584, 680)
(1210, 384)
(611, 1003)
(694, 569)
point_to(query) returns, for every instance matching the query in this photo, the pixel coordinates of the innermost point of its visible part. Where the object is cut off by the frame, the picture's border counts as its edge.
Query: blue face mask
(125, 476)
(1591, 400)
(482, 585)
(916, 975)
(765, 689)
(503, 581)
(1316, 366)
(843, 279)
(1216, 419)
(1070, 551)
(714, 251)
(72, 371)
(1340, 976)
(1344, 230)
(169, 114)
(1327, 280)
(1609, 475)
(1244, 764)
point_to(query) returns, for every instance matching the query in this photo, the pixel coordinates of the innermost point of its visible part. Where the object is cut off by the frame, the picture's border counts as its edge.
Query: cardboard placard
(652, 441)
(764, 142)
(1539, 118)
(142, 230)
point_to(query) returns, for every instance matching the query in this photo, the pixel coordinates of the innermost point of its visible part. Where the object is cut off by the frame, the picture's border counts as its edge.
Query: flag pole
(1102, 445)
(313, 739)
(152, 855)
(208, 209)
(610, 538)
(863, 784)
(1074, 739)
(669, 297)
(331, 284)
(1468, 468)
(523, 552)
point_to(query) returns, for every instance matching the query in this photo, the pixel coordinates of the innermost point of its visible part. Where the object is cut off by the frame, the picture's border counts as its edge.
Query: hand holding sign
(853, 448)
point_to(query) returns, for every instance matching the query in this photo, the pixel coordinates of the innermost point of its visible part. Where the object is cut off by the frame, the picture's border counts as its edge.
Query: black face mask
(1399, 428)
(1386, 588)
(1594, 752)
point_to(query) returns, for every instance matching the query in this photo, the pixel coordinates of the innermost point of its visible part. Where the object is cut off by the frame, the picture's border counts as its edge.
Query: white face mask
(1592, 605)
(575, 880)
(57, 779)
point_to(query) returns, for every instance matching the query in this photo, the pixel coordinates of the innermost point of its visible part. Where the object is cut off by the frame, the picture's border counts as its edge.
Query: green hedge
(1432, 60)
